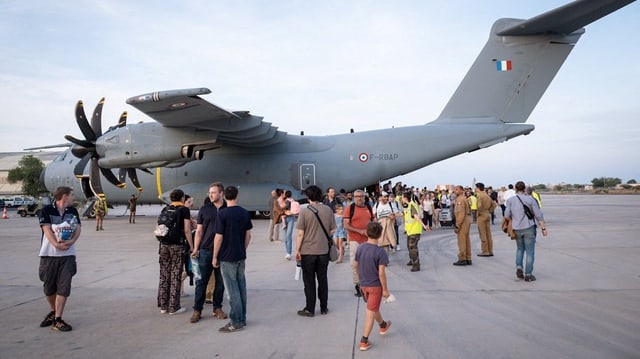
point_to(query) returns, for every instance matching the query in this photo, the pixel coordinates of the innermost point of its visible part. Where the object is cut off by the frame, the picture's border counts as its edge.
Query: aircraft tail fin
(520, 60)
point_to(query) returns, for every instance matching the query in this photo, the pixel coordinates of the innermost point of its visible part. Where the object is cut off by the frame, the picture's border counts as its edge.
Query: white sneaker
(398, 248)
(180, 310)
(163, 311)
(288, 257)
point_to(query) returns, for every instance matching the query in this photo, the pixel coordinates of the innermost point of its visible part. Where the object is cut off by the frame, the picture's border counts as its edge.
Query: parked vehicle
(446, 217)
(30, 210)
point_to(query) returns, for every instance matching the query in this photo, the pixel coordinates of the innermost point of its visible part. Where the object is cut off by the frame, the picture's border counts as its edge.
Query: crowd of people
(365, 224)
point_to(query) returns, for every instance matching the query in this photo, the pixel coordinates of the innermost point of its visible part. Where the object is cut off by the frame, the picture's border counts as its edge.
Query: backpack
(295, 207)
(352, 209)
(168, 229)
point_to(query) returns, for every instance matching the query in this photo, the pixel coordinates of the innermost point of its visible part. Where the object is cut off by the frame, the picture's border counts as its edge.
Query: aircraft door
(307, 174)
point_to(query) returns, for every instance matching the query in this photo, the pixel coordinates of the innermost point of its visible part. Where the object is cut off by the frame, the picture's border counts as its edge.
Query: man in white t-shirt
(509, 193)
(387, 217)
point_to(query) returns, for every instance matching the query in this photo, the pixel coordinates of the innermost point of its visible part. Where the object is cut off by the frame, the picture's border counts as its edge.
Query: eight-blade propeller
(86, 151)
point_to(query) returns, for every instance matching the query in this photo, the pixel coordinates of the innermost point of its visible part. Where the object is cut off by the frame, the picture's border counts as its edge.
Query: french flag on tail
(504, 65)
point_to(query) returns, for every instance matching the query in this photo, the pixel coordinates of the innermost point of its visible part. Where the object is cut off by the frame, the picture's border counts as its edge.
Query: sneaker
(356, 291)
(230, 328)
(519, 273)
(415, 269)
(384, 330)
(163, 311)
(398, 248)
(287, 257)
(178, 311)
(364, 345)
(219, 314)
(529, 278)
(61, 326)
(48, 320)
(195, 317)
(305, 313)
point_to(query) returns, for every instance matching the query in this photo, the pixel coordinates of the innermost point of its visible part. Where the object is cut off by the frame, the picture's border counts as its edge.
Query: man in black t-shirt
(203, 250)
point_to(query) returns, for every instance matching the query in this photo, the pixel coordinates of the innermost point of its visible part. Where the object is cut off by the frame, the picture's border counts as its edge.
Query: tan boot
(195, 317)
(218, 313)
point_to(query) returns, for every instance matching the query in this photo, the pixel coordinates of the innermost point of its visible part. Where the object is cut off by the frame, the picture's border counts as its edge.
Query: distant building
(10, 160)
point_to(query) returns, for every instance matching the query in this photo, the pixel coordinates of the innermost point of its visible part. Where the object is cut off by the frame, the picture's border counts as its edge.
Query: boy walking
(370, 262)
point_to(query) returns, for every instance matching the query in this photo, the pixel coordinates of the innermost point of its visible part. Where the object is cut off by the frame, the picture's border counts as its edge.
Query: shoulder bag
(333, 251)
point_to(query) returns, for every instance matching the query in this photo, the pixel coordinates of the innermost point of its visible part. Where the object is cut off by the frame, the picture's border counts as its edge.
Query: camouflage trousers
(412, 243)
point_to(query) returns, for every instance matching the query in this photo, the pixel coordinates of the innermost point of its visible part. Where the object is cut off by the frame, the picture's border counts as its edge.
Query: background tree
(28, 171)
(605, 182)
(631, 181)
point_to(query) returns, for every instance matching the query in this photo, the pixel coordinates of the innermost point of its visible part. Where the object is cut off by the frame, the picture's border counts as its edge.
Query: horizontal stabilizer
(565, 19)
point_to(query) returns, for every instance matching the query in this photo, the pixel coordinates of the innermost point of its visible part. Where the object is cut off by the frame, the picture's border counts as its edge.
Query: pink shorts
(373, 296)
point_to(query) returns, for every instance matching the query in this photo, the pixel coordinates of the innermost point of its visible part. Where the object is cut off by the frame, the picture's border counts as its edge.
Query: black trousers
(315, 267)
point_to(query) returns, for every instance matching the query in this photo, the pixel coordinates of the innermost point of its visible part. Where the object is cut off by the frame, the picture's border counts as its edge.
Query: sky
(322, 68)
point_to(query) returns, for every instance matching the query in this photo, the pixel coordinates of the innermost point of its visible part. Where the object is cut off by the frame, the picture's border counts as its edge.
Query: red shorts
(373, 296)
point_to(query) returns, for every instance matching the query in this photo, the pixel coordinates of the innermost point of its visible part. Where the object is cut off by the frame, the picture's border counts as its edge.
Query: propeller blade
(134, 178)
(81, 143)
(123, 119)
(94, 179)
(78, 170)
(83, 123)
(112, 178)
(96, 120)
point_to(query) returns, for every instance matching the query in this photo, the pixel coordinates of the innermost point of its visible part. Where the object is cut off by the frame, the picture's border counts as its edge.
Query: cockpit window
(61, 157)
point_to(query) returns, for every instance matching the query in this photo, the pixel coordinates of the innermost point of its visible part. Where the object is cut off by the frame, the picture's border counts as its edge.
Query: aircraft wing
(186, 109)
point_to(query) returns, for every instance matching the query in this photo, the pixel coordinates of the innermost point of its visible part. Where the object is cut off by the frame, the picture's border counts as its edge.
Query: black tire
(264, 214)
(22, 213)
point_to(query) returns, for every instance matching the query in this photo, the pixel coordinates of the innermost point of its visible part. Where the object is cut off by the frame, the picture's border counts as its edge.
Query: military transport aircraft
(193, 142)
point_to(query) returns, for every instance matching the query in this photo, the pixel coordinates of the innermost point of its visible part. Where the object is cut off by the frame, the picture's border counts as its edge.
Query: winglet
(565, 19)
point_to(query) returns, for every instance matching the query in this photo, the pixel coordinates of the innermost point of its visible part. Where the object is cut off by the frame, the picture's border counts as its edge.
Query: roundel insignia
(363, 157)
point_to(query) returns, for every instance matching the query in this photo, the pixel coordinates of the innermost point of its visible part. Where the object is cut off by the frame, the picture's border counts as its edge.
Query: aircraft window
(61, 157)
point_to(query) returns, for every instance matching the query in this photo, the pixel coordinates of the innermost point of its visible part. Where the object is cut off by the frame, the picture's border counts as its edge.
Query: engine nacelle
(147, 145)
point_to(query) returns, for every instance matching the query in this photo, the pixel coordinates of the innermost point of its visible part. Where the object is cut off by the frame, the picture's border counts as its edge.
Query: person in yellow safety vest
(100, 209)
(535, 195)
(473, 205)
(413, 226)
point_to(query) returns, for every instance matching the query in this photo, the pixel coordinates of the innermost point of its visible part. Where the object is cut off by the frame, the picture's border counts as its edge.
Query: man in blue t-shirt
(370, 262)
(233, 234)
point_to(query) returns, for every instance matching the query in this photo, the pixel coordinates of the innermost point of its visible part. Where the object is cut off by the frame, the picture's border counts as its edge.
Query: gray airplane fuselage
(346, 161)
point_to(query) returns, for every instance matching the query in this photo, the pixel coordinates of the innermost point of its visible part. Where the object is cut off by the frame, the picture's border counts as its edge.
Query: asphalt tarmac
(584, 304)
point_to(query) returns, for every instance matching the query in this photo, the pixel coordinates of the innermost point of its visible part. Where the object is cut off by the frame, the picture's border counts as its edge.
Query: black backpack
(168, 229)
(352, 210)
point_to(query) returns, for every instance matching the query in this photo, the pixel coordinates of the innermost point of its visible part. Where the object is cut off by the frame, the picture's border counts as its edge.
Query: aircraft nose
(43, 177)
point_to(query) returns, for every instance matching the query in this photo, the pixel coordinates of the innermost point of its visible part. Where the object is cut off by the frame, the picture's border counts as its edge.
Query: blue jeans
(206, 269)
(526, 241)
(236, 288)
(288, 236)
